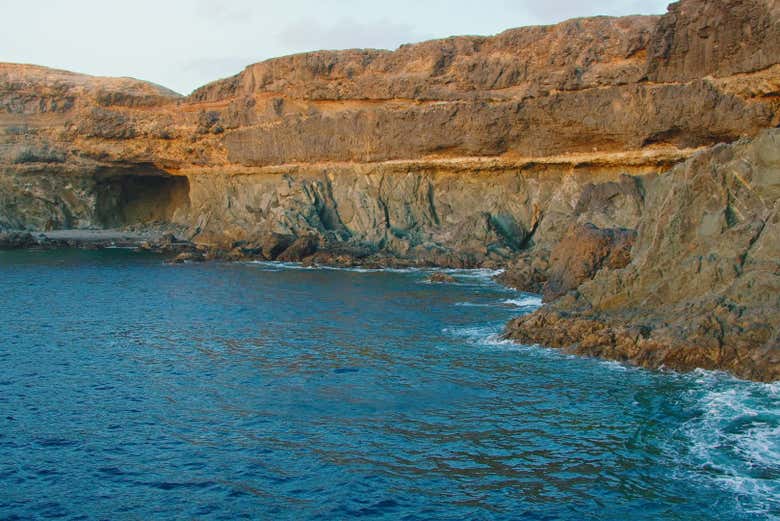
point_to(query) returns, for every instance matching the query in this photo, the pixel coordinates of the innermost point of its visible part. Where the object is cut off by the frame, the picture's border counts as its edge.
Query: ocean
(130, 389)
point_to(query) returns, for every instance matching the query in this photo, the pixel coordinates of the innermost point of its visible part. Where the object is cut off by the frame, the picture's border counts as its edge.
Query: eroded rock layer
(544, 149)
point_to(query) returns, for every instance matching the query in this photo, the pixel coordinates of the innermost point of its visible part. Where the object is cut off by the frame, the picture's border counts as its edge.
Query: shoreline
(75, 238)
(580, 334)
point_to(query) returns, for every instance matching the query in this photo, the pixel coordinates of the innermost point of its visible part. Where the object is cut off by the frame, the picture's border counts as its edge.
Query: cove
(265, 390)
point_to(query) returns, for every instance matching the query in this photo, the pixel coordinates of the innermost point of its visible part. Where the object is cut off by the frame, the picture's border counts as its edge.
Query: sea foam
(735, 439)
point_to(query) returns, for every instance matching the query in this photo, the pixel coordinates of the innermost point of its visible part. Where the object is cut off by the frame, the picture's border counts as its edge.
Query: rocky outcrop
(541, 149)
(597, 231)
(715, 38)
(604, 84)
(441, 278)
(16, 240)
(596, 96)
(703, 286)
(583, 252)
(454, 213)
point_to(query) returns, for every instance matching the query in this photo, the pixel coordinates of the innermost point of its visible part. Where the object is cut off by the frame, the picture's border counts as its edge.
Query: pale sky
(183, 44)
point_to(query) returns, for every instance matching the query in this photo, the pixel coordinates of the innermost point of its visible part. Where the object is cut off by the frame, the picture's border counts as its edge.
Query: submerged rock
(441, 278)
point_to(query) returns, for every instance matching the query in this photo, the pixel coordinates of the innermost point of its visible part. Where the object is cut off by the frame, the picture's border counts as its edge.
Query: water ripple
(228, 391)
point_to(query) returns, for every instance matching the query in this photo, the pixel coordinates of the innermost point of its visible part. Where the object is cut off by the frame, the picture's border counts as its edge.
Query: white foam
(526, 301)
(736, 438)
(471, 332)
(615, 365)
(477, 273)
(278, 266)
(761, 445)
(489, 336)
(482, 336)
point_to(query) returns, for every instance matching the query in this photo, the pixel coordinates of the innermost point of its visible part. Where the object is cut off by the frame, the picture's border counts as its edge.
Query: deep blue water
(134, 390)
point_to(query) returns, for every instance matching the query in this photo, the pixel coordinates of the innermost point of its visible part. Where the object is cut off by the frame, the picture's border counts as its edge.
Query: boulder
(274, 244)
(441, 278)
(583, 251)
(301, 248)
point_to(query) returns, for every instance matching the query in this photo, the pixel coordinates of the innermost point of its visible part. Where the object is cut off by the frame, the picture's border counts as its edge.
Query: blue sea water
(134, 390)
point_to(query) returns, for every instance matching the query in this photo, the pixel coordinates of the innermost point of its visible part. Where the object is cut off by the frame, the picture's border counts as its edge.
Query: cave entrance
(140, 198)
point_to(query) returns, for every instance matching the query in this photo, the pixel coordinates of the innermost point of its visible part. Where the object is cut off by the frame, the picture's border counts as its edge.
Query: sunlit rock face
(583, 101)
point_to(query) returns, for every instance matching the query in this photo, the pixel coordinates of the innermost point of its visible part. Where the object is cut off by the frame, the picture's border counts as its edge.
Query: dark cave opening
(146, 197)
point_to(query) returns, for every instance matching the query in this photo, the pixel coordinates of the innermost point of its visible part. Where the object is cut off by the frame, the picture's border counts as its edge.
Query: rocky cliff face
(466, 151)
(703, 286)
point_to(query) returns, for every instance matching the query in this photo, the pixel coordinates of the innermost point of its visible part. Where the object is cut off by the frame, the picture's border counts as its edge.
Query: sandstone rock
(536, 91)
(698, 38)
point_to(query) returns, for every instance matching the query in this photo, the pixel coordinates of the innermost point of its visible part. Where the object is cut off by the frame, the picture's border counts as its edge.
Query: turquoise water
(134, 390)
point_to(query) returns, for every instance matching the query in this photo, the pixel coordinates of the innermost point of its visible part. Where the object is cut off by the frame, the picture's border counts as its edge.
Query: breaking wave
(734, 439)
(526, 301)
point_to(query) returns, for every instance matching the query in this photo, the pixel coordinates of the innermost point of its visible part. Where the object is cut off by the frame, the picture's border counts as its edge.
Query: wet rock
(528, 272)
(168, 239)
(167, 244)
(342, 255)
(17, 240)
(190, 256)
(441, 278)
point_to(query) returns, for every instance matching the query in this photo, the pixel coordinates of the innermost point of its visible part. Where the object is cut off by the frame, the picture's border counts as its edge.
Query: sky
(183, 44)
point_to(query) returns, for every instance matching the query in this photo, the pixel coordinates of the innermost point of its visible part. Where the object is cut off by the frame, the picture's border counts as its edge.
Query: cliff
(468, 151)
(702, 287)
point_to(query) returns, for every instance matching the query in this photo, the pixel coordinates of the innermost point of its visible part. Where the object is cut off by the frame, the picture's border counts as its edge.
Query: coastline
(260, 361)
(587, 335)
(626, 169)
(530, 274)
